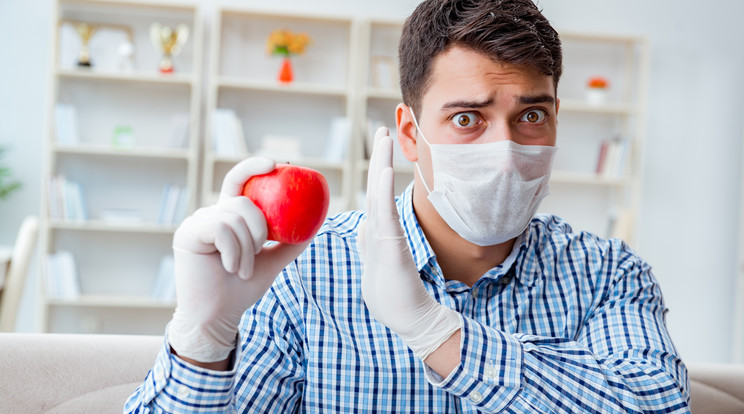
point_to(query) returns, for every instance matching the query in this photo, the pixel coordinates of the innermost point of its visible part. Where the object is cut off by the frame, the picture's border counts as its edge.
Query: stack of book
(227, 133)
(66, 126)
(338, 138)
(66, 199)
(613, 155)
(173, 204)
(61, 279)
(180, 131)
(164, 287)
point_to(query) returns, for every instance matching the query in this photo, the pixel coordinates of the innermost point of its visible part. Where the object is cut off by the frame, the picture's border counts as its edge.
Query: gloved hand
(391, 286)
(222, 268)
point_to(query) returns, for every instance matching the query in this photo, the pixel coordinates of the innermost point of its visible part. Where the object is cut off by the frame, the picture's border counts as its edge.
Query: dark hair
(507, 31)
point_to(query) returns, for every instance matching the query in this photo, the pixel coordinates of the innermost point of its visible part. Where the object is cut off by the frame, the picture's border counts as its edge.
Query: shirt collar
(424, 257)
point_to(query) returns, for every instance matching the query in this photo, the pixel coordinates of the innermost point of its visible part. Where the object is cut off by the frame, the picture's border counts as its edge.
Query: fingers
(235, 179)
(382, 157)
(387, 212)
(249, 226)
(235, 227)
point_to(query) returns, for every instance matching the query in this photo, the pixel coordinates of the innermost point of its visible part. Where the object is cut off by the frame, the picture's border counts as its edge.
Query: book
(179, 131)
(62, 279)
(338, 138)
(174, 201)
(66, 124)
(227, 133)
(66, 199)
(612, 157)
(164, 285)
(55, 208)
(181, 205)
(369, 142)
(280, 148)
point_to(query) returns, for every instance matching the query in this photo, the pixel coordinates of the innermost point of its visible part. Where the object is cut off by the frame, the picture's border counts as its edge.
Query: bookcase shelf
(127, 77)
(125, 136)
(565, 177)
(112, 301)
(108, 151)
(598, 108)
(582, 192)
(274, 116)
(273, 86)
(116, 227)
(346, 81)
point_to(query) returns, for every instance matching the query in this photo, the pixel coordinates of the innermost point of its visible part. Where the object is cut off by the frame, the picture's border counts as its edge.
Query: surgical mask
(488, 193)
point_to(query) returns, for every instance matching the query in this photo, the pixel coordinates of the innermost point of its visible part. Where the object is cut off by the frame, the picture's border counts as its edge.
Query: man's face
(472, 99)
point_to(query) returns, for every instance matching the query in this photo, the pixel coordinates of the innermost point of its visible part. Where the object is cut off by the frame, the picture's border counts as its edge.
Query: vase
(285, 72)
(596, 96)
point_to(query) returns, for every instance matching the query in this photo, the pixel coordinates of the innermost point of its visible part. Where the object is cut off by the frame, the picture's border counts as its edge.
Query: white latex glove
(391, 286)
(222, 269)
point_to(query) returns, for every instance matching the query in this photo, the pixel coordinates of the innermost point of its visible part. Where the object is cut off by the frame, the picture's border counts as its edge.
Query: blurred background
(678, 64)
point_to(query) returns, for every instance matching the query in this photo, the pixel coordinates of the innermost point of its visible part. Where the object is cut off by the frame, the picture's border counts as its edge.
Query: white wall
(690, 211)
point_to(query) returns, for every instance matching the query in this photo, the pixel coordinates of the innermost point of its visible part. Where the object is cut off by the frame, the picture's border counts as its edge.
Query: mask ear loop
(427, 143)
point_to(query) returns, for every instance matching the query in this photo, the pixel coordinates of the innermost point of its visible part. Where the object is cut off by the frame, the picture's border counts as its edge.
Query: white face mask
(488, 193)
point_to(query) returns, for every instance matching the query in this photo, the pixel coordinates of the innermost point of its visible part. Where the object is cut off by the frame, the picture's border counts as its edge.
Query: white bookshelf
(350, 70)
(117, 259)
(588, 200)
(607, 205)
(243, 79)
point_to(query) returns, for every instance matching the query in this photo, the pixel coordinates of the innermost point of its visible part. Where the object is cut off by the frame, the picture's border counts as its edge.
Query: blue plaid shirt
(568, 323)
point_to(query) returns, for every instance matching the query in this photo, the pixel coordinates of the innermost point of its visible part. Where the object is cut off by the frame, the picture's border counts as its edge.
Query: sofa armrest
(72, 372)
(716, 388)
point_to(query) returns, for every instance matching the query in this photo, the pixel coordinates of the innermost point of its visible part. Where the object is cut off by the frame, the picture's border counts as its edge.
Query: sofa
(74, 373)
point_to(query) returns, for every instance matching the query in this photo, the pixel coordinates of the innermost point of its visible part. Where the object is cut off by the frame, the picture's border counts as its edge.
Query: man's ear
(406, 132)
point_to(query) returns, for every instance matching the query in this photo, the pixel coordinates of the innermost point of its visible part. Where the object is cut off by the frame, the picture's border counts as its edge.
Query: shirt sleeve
(622, 360)
(175, 386)
(267, 368)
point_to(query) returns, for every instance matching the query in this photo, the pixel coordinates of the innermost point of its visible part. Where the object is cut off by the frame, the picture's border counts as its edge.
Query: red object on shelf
(285, 73)
(598, 82)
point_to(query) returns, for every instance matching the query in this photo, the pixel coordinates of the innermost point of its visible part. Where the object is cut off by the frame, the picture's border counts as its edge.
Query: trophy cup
(86, 31)
(169, 42)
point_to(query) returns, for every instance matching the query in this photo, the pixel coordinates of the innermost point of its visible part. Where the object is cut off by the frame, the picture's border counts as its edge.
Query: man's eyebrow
(467, 104)
(536, 99)
(523, 100)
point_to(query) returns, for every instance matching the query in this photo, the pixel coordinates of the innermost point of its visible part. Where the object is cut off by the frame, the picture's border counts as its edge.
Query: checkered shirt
(568, 323)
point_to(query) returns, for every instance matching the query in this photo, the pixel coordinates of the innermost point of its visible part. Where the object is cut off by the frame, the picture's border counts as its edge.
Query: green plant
(7, 184)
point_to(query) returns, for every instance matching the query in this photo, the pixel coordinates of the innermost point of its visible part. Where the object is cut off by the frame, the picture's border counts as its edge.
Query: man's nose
(499, 130)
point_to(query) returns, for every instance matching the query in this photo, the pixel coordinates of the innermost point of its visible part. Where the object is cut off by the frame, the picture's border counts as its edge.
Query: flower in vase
(284, 43)
(596, 89)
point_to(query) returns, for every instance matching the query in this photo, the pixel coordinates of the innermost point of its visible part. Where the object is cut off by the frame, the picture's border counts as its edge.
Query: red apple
(293, 199)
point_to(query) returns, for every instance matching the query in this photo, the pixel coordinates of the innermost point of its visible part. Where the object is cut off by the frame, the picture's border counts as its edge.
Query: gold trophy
(86, 32)
(169, 42)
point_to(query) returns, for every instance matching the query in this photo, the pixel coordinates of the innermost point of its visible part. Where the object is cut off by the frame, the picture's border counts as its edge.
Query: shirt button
(183, 391)
(475, 397)
(491, 372)
(505, 280)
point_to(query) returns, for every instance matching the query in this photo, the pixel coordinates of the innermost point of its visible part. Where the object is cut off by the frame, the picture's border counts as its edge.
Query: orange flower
(285, 43)
(598, 82)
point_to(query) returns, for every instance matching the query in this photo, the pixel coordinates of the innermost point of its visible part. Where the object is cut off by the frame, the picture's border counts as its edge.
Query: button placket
(183, 391)
(475, 397)
(490, 372)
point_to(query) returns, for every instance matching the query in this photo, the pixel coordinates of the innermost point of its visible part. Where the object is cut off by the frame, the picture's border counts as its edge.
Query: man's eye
(465, 119)
(534, 116)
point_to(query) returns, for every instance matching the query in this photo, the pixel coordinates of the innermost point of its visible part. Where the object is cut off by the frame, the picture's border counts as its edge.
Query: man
(452, 298)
